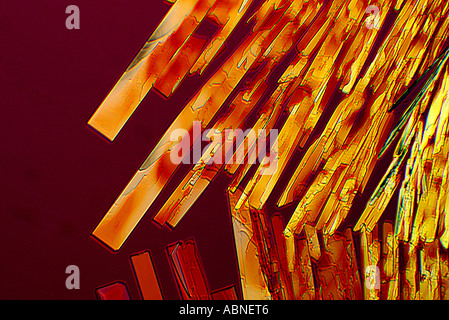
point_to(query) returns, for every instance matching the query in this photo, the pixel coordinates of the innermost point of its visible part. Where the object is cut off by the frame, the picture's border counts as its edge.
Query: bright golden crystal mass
(352, 88)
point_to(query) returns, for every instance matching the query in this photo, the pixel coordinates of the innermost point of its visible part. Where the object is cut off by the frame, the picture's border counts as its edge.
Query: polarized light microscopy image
(263, 150)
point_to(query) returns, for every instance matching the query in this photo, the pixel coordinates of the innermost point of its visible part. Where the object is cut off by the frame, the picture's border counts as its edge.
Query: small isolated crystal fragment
(146, 276)
(113, 291)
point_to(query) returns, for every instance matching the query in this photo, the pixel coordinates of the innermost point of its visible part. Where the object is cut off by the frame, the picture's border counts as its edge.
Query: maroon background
(59, 177)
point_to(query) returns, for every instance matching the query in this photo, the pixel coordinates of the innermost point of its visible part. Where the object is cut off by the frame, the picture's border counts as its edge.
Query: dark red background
(59, 177)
